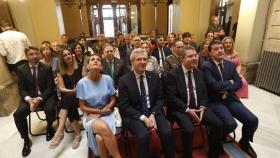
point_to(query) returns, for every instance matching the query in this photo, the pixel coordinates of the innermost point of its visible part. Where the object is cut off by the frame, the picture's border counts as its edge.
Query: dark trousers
(215, 132)
(139, 129)
(23, 111)
(71, 104)
(14, 67)
(229, 110)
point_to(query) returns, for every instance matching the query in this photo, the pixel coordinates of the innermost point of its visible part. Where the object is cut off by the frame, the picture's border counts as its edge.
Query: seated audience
(140, 102)
(209, 35)
(187, 99)
(35, 82)
(68, 77)
(170, 40)
(222, 81)
(48, 57)
(97, 47)
(126, 47)
(136, 41)
(112, 66)
(204, 53)
(65, 44)
(188, 40)
(152, 63)
(80, 57)
(173, 60)
(56, 49)
(232, 55)
(160, 52)
(96, 95)
(88, 50)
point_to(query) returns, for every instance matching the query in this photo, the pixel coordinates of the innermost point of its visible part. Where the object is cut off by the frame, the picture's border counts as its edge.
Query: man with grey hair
(141, 102)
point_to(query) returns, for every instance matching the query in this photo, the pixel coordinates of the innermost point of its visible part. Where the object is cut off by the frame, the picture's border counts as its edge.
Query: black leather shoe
(50, 134)
(26, 148)
(248, 149)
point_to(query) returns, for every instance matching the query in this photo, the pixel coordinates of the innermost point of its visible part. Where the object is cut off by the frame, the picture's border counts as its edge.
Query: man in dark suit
(113, 66)
(161, 51)
(187, 100)
(141, 101)
(36, 84)
(222, 81)
(136, 44)
(126, 47)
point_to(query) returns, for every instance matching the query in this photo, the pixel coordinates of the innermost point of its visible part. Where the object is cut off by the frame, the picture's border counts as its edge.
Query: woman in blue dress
(97, 98)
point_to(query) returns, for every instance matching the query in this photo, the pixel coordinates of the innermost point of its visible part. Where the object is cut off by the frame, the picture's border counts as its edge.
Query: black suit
(46, 87)
(178, 103)
(130, 107)
(123, 49)
(119, 69)
(166, 51)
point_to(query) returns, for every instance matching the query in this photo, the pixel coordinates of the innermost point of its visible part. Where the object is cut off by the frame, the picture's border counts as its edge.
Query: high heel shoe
(76, 142)
(56, 140)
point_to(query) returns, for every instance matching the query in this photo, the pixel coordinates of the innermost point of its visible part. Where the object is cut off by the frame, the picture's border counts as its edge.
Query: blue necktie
(144, 104)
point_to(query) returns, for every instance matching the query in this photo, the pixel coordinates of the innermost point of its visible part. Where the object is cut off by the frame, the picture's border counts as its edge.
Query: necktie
(144, 104)
(127, 48)
(192, 104)
(111, 68)
(35, 82)
(221, 70)
(162, 57)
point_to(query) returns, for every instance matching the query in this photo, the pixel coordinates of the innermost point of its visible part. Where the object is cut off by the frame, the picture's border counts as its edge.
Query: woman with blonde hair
(152, 63)
(232, 55)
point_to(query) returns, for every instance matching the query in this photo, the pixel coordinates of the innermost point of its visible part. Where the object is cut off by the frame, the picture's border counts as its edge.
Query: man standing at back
(12, 45)
(222, 81)
(141, 102)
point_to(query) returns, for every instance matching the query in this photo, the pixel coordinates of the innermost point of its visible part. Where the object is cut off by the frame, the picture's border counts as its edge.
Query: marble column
(9, 96)
(250, 35)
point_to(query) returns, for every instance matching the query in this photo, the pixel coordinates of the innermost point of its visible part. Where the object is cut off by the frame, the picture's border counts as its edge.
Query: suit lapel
(214, 66)
(116, 67)
(149, 82)
(182, 80)
(134, 84)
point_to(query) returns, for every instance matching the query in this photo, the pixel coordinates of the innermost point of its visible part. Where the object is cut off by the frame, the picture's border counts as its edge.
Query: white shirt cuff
(187, 110)
(142, 117)
(27, 98)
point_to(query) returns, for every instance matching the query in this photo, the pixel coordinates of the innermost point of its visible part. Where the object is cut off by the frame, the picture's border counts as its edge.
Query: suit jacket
(177, 89)
(129, 95)
(119, 69)
(166, 50)
(44, 77)
(215, 84)
(123, 51)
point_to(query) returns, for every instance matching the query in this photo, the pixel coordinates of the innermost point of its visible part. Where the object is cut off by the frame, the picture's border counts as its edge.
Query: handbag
(118, 118)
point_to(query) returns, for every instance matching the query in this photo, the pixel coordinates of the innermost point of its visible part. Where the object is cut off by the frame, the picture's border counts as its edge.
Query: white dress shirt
(12, 45)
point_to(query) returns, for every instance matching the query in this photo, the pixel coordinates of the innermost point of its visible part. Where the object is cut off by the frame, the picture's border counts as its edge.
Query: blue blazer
(215, 84)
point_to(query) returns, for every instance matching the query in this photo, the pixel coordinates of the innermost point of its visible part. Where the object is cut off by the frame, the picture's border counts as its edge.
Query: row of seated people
(140, 100)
